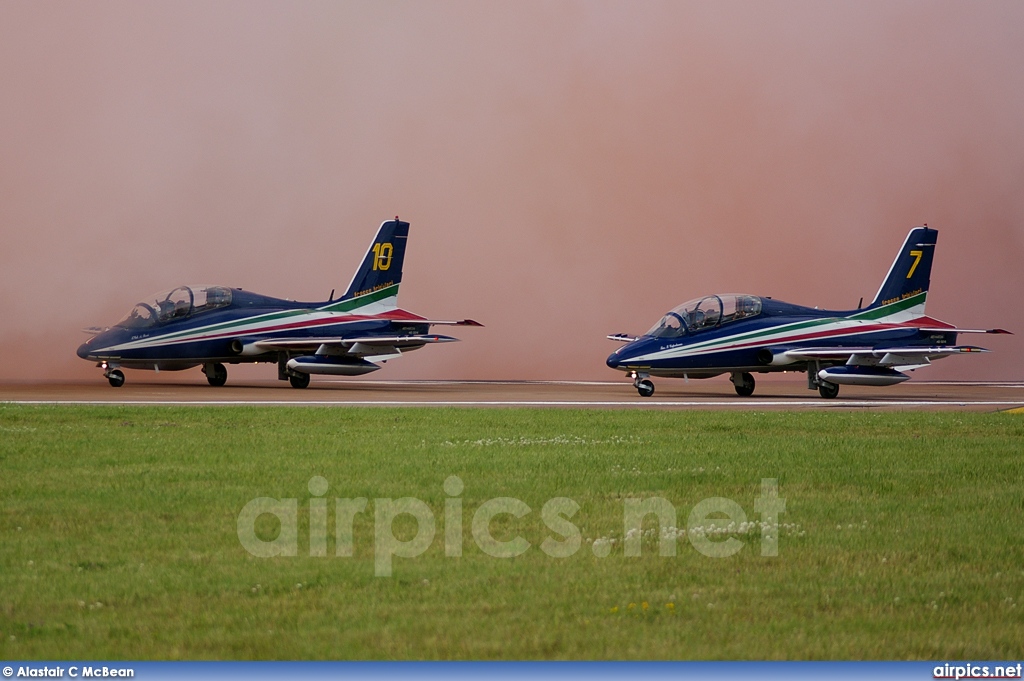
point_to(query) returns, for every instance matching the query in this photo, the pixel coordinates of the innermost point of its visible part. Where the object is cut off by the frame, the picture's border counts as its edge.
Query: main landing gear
(216, 374)
(297, 379)
(826, 389)
(744, 384)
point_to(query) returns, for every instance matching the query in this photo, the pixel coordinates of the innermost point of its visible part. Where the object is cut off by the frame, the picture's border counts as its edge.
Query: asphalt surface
(671, 394)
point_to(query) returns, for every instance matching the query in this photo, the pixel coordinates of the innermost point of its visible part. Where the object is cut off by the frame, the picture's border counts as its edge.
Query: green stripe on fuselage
(771, 331)
(361, 301)
(892, 308)
(234, 323)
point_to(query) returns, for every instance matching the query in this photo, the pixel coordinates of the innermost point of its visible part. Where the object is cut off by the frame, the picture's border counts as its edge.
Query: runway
(779, 394)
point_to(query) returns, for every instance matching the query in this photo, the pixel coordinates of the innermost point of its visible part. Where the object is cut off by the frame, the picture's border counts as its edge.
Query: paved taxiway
(671, 394)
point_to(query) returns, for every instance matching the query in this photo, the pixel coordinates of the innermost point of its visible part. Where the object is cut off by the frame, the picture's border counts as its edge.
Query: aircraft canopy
(177, 303)
(705, 313)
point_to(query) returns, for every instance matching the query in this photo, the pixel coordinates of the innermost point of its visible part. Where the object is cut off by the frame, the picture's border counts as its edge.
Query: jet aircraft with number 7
(740, 334)
(211, 326)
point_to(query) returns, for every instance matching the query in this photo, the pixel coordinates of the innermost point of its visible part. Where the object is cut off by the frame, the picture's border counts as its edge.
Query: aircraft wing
(912, 356)
(461, 322)
(358, 347)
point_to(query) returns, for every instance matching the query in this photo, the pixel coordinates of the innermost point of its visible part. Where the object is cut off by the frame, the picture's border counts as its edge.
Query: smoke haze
(570, 169)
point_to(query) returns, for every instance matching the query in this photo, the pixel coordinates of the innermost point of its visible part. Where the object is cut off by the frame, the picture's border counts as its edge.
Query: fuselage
(757, 342)
(225, 334)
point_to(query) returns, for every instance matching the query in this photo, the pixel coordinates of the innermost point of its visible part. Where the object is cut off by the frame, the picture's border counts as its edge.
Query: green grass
(903, 535)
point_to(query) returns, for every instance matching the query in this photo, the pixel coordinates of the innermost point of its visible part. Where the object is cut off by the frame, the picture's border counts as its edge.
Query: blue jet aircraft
(739, 334)
(214, 325)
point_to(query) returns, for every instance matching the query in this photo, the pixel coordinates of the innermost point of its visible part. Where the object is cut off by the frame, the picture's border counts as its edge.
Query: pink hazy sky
(570, 169)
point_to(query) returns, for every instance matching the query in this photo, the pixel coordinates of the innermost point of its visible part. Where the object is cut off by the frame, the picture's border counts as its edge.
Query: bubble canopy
(705, 313)
(178, 303)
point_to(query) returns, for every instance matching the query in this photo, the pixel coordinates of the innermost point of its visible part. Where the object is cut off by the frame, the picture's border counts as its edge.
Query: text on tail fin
(910, 273)
(377, 279)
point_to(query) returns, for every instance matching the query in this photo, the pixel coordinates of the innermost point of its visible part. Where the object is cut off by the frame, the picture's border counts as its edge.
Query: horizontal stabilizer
(956, 330)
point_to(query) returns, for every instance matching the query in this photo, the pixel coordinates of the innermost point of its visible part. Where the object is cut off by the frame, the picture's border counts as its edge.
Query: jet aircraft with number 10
(214, 325)
(742, 334)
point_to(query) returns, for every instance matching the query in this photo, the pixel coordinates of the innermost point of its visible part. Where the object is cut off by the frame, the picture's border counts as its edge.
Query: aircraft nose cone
(83, 350)
(614, 360)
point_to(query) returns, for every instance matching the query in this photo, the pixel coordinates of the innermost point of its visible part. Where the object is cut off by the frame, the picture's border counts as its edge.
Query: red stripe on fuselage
(808, 336)
(310, 323)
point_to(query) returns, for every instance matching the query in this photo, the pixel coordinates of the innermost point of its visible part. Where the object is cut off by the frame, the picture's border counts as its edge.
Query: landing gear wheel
(645, 388)
(116, 378)
(299, 380)
(828, 390)
(216, 374)
(745, 385)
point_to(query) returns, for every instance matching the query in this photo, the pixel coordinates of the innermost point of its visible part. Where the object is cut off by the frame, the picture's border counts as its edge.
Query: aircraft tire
(299, 380)
(746, 388)
(216, 374)
(645, 388)
(116, 378)
(828, 390)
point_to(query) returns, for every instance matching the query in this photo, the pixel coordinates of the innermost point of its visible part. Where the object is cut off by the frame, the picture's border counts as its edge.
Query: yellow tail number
(917, 258)
(382, 256)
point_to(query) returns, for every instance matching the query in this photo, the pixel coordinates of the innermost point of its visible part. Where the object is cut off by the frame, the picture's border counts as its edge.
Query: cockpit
(708, 312)
(178, 303)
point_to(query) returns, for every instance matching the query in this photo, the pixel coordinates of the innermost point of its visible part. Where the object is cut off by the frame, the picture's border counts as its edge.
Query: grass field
(902, 537)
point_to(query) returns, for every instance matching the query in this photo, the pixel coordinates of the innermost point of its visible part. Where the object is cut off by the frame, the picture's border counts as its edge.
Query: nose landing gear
(115, 377)
(643, 384)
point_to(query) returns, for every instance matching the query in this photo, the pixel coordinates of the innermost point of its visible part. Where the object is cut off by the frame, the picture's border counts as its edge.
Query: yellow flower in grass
(644, 605)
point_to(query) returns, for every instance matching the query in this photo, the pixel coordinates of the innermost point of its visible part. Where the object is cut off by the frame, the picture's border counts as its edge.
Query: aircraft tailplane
(903, 292)
(375, 283)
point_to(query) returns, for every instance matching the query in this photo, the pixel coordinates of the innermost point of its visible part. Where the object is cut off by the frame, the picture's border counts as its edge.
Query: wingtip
(468, 322)
(1010, 333)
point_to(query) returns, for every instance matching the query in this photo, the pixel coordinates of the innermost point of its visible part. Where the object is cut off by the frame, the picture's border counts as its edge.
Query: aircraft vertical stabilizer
(374, 288)
(902, 295)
